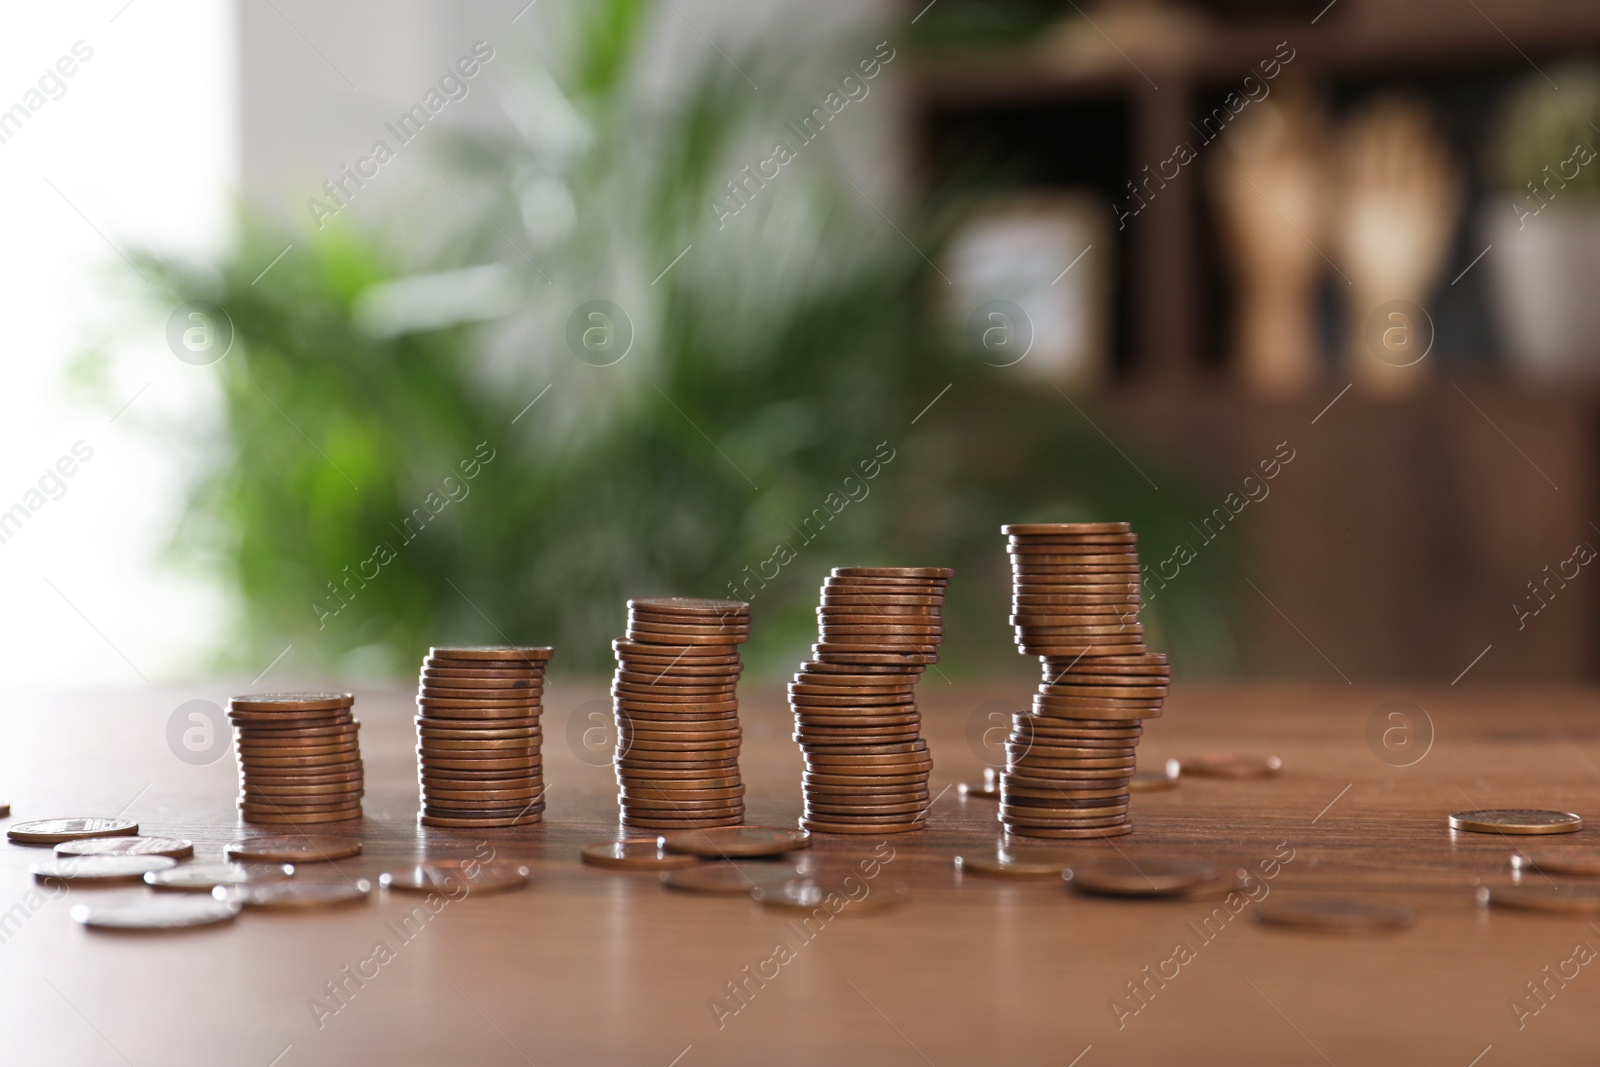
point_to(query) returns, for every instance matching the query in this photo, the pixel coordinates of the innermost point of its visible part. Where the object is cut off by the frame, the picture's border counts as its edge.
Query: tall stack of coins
(478, 736)
(1076, 606)
(855, 711)
(299, 757)
(677, 704)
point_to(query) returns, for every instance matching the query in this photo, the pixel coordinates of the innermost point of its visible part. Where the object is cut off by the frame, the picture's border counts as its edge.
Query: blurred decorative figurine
(1399, 197)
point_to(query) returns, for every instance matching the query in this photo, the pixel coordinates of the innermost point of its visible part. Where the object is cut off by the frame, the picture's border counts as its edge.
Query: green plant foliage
(1540, 127)
(780, 352)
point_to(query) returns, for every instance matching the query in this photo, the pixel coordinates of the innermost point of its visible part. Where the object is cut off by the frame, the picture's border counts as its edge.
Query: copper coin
(745, 841)
(1015, 862)
(51, 831)
(1046, 833)
(451, 822)
(477, 876)
(299, 895)
(98, 870)
(496, 697)
(807, 894)
(634, 633)
(657, 822)
(1061, 789)
(1139, 877)
(689, 605)
(469, 723)
(468, 679)
(291, 701)
(204, 877)
(1166, 777)
(492, 652)
(1509, 820)
(294, 848)
(1223, 765)
(155, 913)
(1564, 899)
(863, 826)
(635, 854)
(176, 848)
(730, 878)
(1550, 861)
(1334, 915)
(304, 819)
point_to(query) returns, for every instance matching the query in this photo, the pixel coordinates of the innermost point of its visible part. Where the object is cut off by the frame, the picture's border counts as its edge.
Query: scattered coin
(988, 789)
(5, 811)
(636, 854)
(204, 877)
(1015, 862)
(729, 841)
(730, 878)
(294, 848)
(1557, 861)
(1142, 877)
(299, 895)
(1516, 821)
(810, 894)
(447, 876)
(53, 831)
(1224, 765)
(99, 870)
(1565, 899)
(1166, 777)
(1334, 915)
(155, 913)
(175, 847)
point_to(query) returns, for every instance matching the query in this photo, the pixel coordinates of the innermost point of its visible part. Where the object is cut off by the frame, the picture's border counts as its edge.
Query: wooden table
(595, 967)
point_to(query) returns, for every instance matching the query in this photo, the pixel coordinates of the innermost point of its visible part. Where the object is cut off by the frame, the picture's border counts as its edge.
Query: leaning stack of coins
(1076, 606)
(855, 712)
(299, 757)
(478, 736)
(677, 704)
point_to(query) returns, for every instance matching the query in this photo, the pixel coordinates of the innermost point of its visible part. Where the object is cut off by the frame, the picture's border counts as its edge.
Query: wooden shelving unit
(1408, 529)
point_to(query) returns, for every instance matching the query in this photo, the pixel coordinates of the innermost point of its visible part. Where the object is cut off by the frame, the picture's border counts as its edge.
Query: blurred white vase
(1544, 276)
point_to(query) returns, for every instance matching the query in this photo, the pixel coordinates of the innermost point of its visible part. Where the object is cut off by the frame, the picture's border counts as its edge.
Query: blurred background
(340, 330)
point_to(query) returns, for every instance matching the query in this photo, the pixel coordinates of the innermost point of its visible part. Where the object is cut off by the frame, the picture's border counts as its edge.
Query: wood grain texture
(595, 967)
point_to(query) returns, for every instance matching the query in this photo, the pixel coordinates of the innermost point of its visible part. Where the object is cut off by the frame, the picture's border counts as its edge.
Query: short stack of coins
(854, 705)
(299, 758)
(478, 736)
(1076, 601)
(677, 705)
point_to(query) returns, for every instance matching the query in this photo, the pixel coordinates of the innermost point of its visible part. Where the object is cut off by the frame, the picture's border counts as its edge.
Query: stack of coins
(1076, 606)
(299, 757)
(855, 711)
(478, 736)
(677, 705)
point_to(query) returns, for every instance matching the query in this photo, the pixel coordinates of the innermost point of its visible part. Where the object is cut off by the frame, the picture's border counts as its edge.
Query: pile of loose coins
(855, 711)
(677, 705)
(478, 737)
(1076, 601)
(299, 758)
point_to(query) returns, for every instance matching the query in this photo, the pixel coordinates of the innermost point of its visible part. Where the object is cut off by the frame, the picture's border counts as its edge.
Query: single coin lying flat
(175, 847)
(1516, 821)
(155, 913)
(52, 831)
(1335, 915)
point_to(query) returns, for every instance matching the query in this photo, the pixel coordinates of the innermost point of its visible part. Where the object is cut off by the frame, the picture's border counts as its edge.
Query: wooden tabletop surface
(593, 967)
